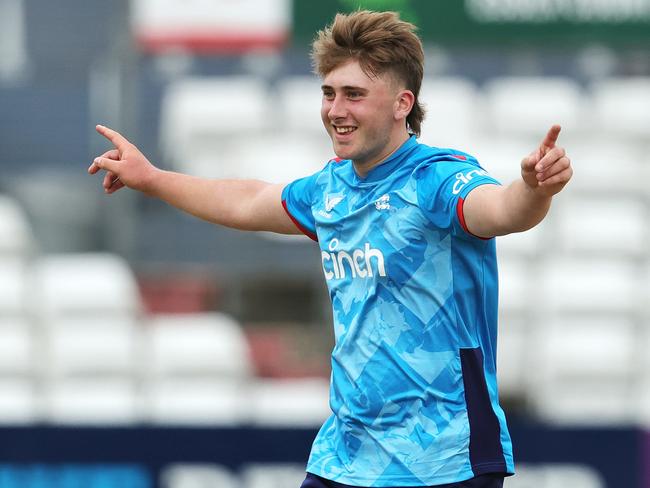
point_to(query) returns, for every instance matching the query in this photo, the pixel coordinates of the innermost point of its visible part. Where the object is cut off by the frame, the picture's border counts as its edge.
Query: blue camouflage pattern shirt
(414, 297)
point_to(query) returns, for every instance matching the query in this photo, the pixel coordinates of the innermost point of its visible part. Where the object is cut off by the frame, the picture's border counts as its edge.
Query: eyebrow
(346, 88)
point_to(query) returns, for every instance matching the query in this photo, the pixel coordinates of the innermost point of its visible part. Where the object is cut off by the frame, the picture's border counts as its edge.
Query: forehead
(351, 74)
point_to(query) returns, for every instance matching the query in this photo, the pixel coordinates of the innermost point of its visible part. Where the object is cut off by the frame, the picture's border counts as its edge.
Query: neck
(363, 168)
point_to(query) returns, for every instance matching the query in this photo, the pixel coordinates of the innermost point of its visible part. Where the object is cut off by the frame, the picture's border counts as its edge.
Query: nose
(335, 108)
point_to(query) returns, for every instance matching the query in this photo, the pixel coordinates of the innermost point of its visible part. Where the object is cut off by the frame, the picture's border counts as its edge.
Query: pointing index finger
(118, 140)
(551, 137)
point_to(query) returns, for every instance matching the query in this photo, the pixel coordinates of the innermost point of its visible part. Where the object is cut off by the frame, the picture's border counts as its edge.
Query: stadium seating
(16, 236)
(197, 367)
(91, 401)
(14, 291)
(524, 106)
(84, 283)
(299, 99)
(84, 319)
(17, 351)
(453, 109)
(276, 157)
(584, 369)
(19, 402)
(290, 402)
(200, 114)
(621, 108)
(500, 156)
(608, 166)
(86, 309)
(515, 332)
(91, 347)
(589, 225)
(584, 284)
(205, 345)
(514, 283)
(196, 401)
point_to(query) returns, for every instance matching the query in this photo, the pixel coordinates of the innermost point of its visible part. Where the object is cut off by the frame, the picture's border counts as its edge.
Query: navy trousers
(483, 481)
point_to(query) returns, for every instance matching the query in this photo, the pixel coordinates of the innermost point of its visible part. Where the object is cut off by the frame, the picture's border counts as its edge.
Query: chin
(344, 152)
(345, 155)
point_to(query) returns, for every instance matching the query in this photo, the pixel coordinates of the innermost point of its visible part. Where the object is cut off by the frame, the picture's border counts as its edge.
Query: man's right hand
(125, 165)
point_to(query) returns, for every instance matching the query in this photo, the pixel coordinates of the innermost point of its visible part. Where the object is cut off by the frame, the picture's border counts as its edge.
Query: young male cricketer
(406, 237)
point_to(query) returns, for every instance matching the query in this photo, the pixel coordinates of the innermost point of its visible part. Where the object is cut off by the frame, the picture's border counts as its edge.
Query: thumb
(105, 164)
(529, 162)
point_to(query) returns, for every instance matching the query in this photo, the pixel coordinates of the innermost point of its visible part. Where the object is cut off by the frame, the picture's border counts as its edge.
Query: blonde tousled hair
(382, 43)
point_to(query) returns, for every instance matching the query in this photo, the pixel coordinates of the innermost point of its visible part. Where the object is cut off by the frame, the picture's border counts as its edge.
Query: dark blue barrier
(71, 457)
(616, 453)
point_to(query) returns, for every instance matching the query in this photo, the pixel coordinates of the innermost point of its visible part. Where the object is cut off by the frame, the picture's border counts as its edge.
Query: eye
(328, 95)
(354, 94)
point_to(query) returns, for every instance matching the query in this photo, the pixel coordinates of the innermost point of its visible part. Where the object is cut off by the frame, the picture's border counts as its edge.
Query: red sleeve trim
(461, 219)
(309, 234)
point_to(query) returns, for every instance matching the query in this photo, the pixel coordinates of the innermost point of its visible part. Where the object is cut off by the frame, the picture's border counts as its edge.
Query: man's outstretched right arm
(239, 204)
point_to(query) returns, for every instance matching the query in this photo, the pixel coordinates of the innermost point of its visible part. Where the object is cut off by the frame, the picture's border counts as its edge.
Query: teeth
(344, 130)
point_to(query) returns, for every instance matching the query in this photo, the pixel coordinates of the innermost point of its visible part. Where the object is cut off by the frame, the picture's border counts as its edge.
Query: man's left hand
(547, 169)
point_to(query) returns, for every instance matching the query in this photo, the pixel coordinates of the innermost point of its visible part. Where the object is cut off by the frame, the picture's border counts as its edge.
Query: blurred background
(140, 347)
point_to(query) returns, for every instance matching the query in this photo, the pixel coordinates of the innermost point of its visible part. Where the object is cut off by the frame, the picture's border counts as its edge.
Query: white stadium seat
(197, 113)
(84, 283)
(622, 107)
(590, 284)
(290, 402)
(500, 156)
(585, 369)
(14, 288)
(300, 100)
(528, 244)
(19, 403)
(281, 158)
(515, 286)
(453, 111)
(92, 402)
(608, 166)
(196, 402)
(18, 351)
(91, 348)
(616, 226)
(210, 345)
(16, 238)
(514, 347)
(528, 106)
(269, 156)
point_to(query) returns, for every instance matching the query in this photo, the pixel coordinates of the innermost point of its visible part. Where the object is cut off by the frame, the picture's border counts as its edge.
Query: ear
(403, 104)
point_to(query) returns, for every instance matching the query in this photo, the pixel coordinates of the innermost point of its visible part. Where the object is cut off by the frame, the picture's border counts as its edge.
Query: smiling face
(364, 116)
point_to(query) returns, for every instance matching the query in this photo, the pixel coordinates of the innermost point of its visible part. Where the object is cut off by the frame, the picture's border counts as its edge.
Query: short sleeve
(297, 200)
(443, 185)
